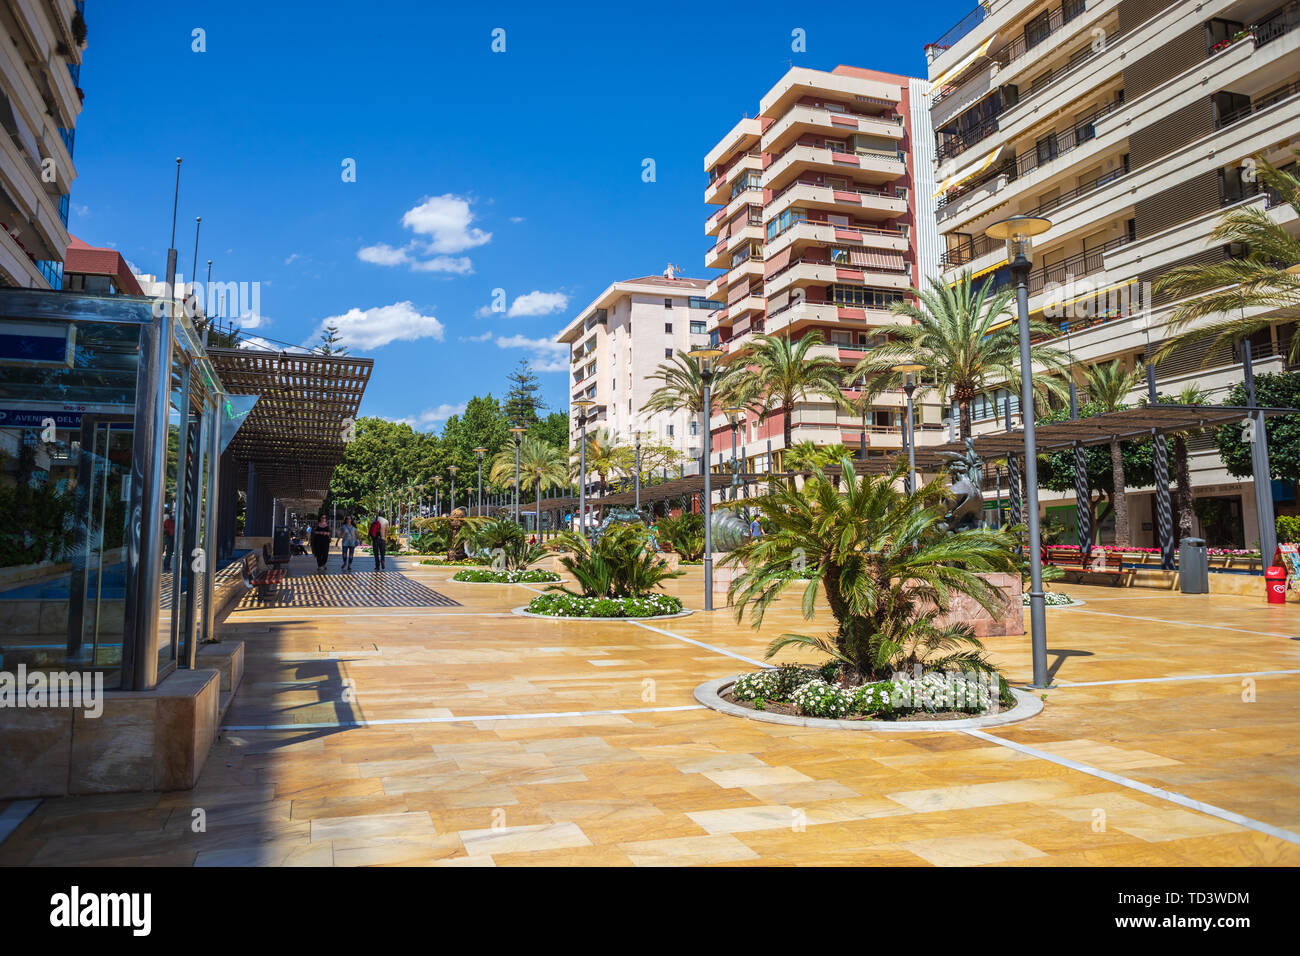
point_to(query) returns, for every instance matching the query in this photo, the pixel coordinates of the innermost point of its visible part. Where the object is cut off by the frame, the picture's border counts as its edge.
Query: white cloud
(485, 337)
(460, 265)
(516, 218)
(257, 342)
(291, 258)
(547, 354)
(373, 328)
(382, 254)
(538, 303)
(432, 416)
(446, 219)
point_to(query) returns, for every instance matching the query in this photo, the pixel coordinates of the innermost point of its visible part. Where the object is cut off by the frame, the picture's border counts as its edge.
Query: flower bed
(809, 692)
(559, 604)
(1052, 599)
(492, 576)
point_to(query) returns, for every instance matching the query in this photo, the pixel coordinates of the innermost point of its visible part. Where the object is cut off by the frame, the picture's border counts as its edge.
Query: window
(695, 427)
(699, 302)
(864, 297)
(698, 328)
(668, 353)
(668, 303)
(784, 221)
(670, 431)
(668, 328)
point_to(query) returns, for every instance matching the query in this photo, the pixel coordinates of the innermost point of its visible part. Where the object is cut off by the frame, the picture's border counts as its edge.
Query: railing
(860, 190)
(1082, 132)
(1278, 23)
(839, 146)
(722, 173)
(1272, 98)
(1076, 266)
(1067, 11)
(957, 143)
(967, 24)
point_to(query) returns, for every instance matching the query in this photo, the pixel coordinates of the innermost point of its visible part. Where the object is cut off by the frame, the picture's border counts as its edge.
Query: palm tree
(603, 457)
(961, 338)
(887, 564)
(682, 387)
(1108, 384)
(779, 373)
(1262, 279)
(1191, 395)
(541, 464)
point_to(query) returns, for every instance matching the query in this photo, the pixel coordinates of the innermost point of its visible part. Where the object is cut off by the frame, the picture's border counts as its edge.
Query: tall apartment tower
(41, 42)
(615, 345)
(1131, 125)
(818, 229)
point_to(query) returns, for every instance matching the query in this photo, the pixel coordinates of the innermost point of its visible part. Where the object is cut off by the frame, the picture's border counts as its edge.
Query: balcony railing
(1040, 28)
(954, 144)
(1075, 267)
(967, 24)
(1272, 98)
(1276, 24)
(900, 192)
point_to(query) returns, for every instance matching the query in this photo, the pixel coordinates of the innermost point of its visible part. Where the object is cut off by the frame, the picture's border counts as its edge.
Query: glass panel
(65, 453)
(172, 606)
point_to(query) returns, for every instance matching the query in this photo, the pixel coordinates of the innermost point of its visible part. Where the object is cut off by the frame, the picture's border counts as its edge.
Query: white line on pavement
(1158, 680)
(1212, 627)
(337, 724)
(707, 647)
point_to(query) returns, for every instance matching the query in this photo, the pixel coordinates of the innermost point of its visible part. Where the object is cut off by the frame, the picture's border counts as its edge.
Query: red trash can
(1276, 578)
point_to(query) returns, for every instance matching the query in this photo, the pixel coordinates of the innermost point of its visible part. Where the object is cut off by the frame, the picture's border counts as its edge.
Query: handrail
(1271, 99)
(860, 190)
(963, 27)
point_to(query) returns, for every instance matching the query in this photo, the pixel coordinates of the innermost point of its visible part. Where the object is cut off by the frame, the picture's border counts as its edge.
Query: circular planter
(710, 695)
(1061, 607)
(524, 612)
(512, 584)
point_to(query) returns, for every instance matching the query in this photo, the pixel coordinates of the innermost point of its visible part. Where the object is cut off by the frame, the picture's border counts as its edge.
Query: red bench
(1072, 559)
(258, 574)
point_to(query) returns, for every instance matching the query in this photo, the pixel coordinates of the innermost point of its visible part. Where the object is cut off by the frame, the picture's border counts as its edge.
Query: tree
(961, 337)
(1191, 395)
(887, 565)
(1261, 279)
(386, 456)
(602, 457)
(1108, 384)
(1273, 390)
(1056, 469)
(331, 343)
(482, 425)
(541, 465)
(783, 374)
(656, 456)
(522, 402)
(682, 387)
(553, 429)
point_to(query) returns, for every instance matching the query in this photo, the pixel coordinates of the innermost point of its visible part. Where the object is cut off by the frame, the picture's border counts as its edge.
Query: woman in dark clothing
(321, 535)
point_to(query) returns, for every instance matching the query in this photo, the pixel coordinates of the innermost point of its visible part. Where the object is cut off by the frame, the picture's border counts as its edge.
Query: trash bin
(1276, 578)
(280, 545)
(1193, 566)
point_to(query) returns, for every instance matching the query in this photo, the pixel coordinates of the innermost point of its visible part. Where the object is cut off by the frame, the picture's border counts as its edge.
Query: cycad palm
(955, 339)
(779, 373)
(888, 567)
(1108, 384)
(1222, 291)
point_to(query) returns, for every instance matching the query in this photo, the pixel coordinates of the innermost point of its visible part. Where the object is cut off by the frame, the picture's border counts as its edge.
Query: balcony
(718, 191)
(865, 166)
(866, 201)
(1259, 104)
(802, 120)
(805, 272)
(804, 233)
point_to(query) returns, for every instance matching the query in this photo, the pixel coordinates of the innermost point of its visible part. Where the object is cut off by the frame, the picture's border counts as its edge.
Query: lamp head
(480, 452)
(706, 356)
(1018, 231)
(518, 430)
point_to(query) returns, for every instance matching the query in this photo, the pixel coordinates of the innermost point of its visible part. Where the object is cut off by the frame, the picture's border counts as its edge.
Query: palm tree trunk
(1121, 496)
(537, 506)
(787, 409)
(963, 413)
(1183, 480)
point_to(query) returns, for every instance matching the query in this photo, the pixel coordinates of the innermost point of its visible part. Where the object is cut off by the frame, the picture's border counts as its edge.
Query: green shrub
(495, 576)
(618, 565)
(1288, 528)
(560, 604)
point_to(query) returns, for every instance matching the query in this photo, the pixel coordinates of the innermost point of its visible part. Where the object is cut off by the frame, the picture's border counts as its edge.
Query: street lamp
(479, 453)
(583, 405)
(637, 465)
(437, 495)
(1018, 231)
(909, 431)
(706, 356)
(453, 469)
(518, 432)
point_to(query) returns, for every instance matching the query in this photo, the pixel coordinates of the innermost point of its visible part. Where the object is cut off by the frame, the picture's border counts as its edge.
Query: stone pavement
(401, 718)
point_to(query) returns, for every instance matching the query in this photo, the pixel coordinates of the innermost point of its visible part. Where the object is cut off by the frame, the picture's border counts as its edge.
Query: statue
(456, 547)
(730, 530)
(966, 511)
(616, 516)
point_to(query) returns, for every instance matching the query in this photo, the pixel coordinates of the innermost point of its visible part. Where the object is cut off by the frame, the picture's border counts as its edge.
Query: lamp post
(478, 452)
(636, 464)
(909, 432)
(583, 405)
(437, 495)
(453, 469)
(518, 432)
(706, 356)
(1018, 231)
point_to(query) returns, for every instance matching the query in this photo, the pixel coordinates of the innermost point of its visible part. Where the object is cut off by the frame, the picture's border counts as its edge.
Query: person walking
(321, 536)
(755, 529)
(379, 539)
(348, 541)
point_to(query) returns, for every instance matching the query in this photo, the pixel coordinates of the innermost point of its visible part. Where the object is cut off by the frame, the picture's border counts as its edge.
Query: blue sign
(27, 418)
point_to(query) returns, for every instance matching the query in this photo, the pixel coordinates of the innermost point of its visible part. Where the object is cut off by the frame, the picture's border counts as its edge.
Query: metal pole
(638, 473)
(708, 495)
(480, 486)
(516, 479)
(582, 473)
(1260, 467)
(1037, 614)
(909, 388)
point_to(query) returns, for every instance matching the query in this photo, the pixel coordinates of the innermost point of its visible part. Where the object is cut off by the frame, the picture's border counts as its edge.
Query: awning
(775, 263)
(1087, 295)
(968, 172)
(876, 259)
(960, 67)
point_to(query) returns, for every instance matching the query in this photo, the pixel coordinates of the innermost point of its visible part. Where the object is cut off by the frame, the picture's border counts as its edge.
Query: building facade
(40, 99)
(817, 228)
(1132, 125)
(618, 341)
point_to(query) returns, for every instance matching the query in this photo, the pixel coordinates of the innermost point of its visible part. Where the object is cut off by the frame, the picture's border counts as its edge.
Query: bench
(258, 574)
(1072, 559)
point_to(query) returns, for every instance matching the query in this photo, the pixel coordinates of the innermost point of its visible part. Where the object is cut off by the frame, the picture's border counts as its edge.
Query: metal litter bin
(1193, 566)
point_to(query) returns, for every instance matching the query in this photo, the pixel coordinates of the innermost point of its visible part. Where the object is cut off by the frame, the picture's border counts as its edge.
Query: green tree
(1273, 390)
(553, 429)
(681, 386)
(780, 373)
(522, 401)
(887, 565)
(482, 424)
(1108, 384)
(331, 343)
(1262, 278)
(541, 465)
(963, 339)
(384, 457)
(1191, 395)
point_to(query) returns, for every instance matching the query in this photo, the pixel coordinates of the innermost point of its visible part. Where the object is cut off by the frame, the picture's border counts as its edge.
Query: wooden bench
(1072, 559)
(258, 574)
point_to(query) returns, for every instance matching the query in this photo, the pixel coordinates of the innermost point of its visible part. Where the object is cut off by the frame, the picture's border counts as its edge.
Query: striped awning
(953, 73)
(876, 259)
(973, 170)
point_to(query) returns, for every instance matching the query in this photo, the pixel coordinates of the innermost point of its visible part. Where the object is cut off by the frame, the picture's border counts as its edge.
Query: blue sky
(475, 170)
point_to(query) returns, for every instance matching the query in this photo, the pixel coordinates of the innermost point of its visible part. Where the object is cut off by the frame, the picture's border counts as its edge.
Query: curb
(709, 694)
(524, 612)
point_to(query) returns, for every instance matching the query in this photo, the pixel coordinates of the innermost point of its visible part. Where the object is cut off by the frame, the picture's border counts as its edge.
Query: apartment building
(1132, 125)
(41, 43)
(818, 229)
(617, 342)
